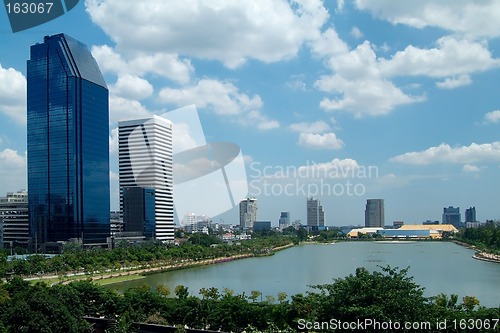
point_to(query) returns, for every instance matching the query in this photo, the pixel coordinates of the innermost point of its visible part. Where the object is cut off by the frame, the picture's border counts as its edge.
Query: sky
(340, 100)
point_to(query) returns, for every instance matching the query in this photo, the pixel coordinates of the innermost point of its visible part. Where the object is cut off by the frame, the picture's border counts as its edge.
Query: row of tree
(139, 255)
(384, 296)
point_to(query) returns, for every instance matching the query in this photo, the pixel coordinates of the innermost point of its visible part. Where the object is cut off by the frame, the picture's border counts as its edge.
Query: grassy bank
(118, 279)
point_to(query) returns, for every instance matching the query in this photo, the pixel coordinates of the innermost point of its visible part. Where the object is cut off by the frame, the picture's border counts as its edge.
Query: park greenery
(128, 256)
(388, 294)
(485, 237)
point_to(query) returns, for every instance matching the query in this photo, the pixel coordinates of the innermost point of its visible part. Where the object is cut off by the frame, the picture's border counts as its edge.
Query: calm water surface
(440, 267)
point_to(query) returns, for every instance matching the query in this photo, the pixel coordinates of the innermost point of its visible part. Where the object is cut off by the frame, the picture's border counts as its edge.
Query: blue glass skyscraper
(68, 143)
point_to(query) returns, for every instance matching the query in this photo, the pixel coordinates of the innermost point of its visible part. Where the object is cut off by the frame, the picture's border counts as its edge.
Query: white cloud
(492, 117)
(125, 109)
(361, 82)
(356, 33)
(320, 141)
(315, 127)
(13, 165)
(182, 140)
(113, 141)
(13, 94)
(364, 97)
(329, 44)
(222, 98)
(228, 31)
(167, 65)
(360, 85)
(296, 84)
(444, 153)
(132, 87)
(341, 167)
(256, 118)
(340, 5)
(450, 57)
(314, 135)
(470, 168)
(109, 61)
(451, 83)
(470, 18)
(313, 171)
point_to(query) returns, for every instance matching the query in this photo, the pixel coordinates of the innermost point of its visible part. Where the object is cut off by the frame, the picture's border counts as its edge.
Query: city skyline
(343, 86)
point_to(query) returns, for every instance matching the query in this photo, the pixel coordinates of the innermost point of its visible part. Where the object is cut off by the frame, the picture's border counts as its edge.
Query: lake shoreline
(480, 255)
(431, 265)
(137, 274)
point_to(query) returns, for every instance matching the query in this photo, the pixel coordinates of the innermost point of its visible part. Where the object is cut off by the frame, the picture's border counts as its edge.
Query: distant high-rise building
(321, 216)
(195, 223)
(248, 213)
(145, 161)
(262, 226)
(315, 213)
(284, 221)
(68, 143)
(451, 215)
(374, 213)
(398, 224)
(470, 214)
(14, 215)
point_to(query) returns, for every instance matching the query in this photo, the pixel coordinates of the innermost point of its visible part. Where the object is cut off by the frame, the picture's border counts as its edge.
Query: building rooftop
(437, 227)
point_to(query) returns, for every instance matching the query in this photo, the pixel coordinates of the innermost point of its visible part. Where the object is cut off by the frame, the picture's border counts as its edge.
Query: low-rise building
(14, 214)
(262, 226)
(406, 234)
(437, 230)
(355, 233)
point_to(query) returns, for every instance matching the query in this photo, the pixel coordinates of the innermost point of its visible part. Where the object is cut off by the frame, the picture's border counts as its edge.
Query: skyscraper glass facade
(68, 143)
(451, 215)
(139, 210)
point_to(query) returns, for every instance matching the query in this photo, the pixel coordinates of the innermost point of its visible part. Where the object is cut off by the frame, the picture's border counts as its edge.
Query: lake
(439, 267)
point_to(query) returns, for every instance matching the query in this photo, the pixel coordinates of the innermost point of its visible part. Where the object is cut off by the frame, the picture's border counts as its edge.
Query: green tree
(39, 309)
(254, 294)
(302, 234)
(469, 303)
(162, 290)
(383, 296)
(181, 291)
(282, 296)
